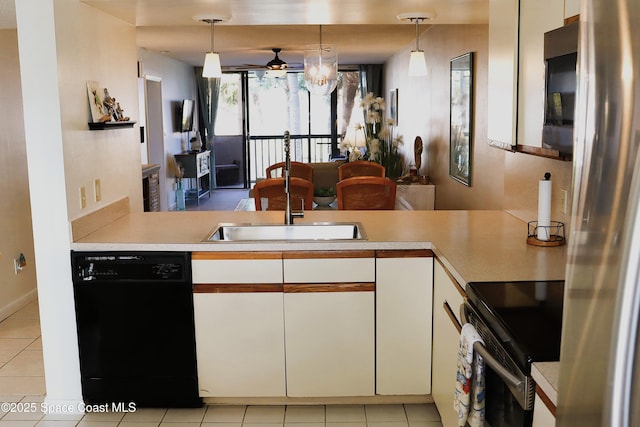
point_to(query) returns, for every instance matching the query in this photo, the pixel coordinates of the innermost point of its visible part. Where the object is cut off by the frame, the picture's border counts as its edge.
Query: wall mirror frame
(461, 118)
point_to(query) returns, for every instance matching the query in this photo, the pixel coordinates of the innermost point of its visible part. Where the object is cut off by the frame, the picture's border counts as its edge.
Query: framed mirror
(461, 118)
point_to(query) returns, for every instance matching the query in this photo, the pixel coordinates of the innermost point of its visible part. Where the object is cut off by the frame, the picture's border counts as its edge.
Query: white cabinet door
(538, 17)
(542, 416)
(239, 322)
(503, 57)
(329, 343)
(240, 344)
(571, 8)
(329, 323)
(403, 322)
(446, 340)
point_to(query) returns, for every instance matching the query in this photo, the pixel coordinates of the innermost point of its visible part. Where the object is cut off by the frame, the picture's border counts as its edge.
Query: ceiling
(365, 31)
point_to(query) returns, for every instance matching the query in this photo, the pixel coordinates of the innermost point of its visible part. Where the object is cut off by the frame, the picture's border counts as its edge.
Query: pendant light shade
(211, 68)
(417, 61)
(321, 67)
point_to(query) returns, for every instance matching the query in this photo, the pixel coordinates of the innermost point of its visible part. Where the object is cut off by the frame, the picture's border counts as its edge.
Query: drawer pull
(452, 317)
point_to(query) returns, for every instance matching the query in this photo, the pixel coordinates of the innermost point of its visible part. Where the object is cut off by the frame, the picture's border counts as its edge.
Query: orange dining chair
(272, 189)
(298, 170)
(360, 168)
(366, 192)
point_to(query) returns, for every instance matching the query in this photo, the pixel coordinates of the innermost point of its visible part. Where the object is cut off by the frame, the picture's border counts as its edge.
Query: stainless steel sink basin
(279, 232)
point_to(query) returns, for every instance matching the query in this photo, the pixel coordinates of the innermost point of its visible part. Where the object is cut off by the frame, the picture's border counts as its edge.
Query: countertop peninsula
(473, 245)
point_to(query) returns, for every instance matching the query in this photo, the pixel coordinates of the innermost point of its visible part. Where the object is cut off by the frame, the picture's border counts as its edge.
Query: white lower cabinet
(329, 323)
(239, 324)
(403, 322)
(447, 298)
(240, 344)
(313, 324)
(542, 416)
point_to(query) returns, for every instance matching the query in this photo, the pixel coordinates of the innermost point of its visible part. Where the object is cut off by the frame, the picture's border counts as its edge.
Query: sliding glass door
(255, 110)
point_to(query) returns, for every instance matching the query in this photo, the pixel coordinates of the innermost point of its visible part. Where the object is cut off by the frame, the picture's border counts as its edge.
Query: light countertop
(473, 245)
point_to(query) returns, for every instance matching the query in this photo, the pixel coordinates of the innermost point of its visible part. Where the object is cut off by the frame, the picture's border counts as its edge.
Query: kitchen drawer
(452, 293)
(329, 267)
(237, 267)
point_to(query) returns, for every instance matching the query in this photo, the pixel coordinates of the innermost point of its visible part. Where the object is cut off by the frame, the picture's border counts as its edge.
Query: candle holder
(555, 231)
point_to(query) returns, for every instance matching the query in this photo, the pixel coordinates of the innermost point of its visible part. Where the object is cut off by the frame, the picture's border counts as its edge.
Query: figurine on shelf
(110, 105)
(119, 113)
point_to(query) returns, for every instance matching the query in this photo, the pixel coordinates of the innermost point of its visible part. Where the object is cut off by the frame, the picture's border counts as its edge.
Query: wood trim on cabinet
(328, 254)
(200, 256)
(404, 253)
(570, 20)
(291, 288)
(235, 288)
(545, 399)
(459, 288)
(452, 317)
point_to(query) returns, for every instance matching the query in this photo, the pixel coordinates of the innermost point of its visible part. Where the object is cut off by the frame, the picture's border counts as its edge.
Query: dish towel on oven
(468, 399)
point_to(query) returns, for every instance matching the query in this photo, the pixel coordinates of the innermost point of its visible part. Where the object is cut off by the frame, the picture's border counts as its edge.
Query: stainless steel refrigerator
(600, 356)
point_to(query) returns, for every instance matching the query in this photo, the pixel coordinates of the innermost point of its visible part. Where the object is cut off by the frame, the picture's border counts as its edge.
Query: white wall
(178, 83)
(15, 210)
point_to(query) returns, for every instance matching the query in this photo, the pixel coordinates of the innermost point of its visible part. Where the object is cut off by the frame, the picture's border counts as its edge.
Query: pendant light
(417, 61)
(211, 66)
(321, 67)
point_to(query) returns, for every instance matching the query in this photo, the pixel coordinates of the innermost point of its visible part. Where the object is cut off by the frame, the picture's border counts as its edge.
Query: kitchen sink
(332, 231)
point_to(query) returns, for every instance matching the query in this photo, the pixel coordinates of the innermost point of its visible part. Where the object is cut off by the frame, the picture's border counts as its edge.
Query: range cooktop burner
(526, 316)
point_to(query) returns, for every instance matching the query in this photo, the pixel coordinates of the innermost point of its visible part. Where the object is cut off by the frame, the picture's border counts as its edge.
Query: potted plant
(324, 196)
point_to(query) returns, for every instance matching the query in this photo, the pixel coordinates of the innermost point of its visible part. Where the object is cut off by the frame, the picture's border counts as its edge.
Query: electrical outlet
(563, 200)
(83, 198)
(97, 191)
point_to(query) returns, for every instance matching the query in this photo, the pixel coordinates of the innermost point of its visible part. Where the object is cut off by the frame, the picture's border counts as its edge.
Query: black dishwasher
(136, 338)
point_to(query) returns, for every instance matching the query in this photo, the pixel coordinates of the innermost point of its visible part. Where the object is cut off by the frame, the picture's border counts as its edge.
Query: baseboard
(364, 400)
(16, 305)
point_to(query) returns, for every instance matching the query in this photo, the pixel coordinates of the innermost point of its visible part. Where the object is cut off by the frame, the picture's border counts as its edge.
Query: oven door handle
(496, 366)
(500, 370)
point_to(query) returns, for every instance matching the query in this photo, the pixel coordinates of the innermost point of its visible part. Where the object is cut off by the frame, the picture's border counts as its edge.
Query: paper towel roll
(544, 208)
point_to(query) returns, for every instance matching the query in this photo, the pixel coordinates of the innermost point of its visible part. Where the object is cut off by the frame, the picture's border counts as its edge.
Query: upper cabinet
(503, 72)
(536, 18)
(571, 8)
(516, 98)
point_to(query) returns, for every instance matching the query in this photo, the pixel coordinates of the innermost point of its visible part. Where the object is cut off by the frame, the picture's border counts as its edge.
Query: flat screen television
(186, 115)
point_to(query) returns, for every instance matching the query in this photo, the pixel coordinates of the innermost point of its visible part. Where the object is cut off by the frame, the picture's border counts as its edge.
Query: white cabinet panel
(403, 325)
(329, 343)
(571, 8)
(329, 270)
(237, 271)
(240, 344)
(538, 17)
(503, 57)
(446, 340)
(542, 416)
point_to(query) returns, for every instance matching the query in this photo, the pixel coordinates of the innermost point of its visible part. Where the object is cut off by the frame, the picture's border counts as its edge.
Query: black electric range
(526, 317)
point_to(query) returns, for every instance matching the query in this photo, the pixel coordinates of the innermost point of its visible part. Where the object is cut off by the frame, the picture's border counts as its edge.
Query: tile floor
(22, 380)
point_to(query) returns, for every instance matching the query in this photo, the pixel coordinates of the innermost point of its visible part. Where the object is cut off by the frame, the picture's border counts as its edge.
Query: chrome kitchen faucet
(289, 215)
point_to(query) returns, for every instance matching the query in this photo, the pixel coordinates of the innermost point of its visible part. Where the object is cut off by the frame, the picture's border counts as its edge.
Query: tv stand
(196, 167)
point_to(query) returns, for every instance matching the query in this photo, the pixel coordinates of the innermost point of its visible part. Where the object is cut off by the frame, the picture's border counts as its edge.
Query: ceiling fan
(276, 67)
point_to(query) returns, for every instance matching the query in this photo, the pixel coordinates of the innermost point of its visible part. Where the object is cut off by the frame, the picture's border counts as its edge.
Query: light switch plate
(97, 190)
(83, 198)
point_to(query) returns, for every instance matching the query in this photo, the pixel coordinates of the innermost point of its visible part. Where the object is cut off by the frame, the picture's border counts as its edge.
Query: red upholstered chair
(298, 170)
(366, 192)
(360, 168)
(272, 189)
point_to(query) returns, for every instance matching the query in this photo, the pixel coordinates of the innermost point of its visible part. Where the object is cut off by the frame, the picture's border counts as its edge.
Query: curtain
(371, 79)
(208, 91)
